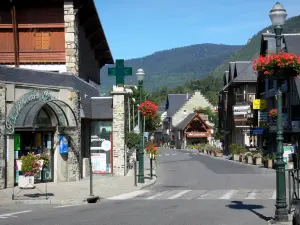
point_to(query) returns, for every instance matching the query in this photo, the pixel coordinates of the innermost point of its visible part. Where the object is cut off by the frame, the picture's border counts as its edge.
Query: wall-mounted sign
(197, 134)
(63, 145)
(259, 104)
(35, 95)
(262, 118)
(241, 109)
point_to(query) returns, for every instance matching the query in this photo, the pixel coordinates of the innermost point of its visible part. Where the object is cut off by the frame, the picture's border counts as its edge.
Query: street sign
(120, 72)
(146, 134)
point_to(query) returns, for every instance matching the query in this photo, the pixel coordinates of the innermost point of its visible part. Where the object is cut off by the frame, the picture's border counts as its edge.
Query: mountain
(251, 50)
(175, 66)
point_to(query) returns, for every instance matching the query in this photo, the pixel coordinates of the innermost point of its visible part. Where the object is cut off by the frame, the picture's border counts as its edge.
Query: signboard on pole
(98, 163)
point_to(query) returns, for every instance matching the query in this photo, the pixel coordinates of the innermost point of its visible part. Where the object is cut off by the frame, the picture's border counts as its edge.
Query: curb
(152, 182)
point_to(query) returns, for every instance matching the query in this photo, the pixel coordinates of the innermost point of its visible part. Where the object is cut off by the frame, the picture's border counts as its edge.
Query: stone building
(51, 53)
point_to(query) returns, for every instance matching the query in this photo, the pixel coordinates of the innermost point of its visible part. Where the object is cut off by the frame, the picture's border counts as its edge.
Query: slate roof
(231, 71)
(187, 120)
(225, 77)
(27, 76)
(244, 72)
(292, 43)
(102, 107)
(175, 102)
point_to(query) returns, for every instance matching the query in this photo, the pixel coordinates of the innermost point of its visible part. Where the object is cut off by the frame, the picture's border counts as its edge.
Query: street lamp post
(140, 77)
(278, 15)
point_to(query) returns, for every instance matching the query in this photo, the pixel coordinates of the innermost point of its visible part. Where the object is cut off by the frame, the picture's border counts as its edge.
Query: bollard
(135, 174)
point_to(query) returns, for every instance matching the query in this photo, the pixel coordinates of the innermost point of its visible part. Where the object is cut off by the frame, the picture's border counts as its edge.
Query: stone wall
(71, 38)
(2, 137)
(119, 97)
(74, 155)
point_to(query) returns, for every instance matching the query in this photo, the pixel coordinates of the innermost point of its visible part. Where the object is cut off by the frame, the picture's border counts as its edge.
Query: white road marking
(174, 154)
(274, 195)
(252, 195)
(167, 154)
(159, 155)
(64, 206)
(157, 195)
(9, 215)
(203, 195)
(187, 153)
(229, 194)
(129, 195)
(179, 194)
(195, 153)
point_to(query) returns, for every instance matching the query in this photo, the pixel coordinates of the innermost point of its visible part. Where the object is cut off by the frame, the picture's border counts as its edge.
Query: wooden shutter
(45, 41)
(42, 41)
(38, 41)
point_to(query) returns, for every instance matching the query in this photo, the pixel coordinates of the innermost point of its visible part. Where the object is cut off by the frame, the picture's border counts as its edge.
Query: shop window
(42, 41)
(100, 146)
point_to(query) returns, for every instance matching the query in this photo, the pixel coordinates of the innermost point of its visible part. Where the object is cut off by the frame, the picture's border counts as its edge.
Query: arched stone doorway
(35, 123)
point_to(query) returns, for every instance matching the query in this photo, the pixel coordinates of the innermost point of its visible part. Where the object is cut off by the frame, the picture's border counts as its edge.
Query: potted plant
(257, 159)
(249, 158)
(269, 161)
(278, 66)
(273, 114)
(218, 152)
(31, 165)
(233, 149)
(152, 151)
(241, 151)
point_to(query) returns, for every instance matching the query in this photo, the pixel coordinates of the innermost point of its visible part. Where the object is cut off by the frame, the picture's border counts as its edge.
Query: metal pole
(129, 116)
(151, 168)
(133, 122)
(135, 173)
(91, 175)
(281, 212)
(141, 150)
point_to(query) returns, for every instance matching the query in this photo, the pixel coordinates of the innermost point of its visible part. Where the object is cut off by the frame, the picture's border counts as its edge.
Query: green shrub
(133, 140)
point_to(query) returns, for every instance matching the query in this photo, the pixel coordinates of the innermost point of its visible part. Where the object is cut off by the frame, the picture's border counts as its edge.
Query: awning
(258, 131)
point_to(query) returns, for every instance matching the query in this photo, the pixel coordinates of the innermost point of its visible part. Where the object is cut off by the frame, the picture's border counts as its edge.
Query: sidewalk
(104, 186)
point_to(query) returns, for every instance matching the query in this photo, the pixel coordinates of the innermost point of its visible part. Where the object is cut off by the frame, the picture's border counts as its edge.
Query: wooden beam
(15, 34)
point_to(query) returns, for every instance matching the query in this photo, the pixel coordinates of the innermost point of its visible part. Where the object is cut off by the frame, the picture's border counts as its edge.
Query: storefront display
(100, 146)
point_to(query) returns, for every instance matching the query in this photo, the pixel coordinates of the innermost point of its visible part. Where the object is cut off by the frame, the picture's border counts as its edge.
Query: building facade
(235, 104)
(51, 53)
(267, 90)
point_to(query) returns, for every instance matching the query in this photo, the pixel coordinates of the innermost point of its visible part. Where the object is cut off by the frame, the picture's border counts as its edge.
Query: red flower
(148, 109)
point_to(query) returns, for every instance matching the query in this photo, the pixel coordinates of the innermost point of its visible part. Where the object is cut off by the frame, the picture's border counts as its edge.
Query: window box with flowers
(280, 66)
(31, 165)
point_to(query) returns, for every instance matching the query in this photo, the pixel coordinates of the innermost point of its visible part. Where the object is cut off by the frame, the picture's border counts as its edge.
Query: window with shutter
(42, 41)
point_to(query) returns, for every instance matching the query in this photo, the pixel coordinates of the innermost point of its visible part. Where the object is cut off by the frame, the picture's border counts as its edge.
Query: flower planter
(249, 160)
(236, 157)
(257, 161)
(241, 157)
(219, 154)
(26, 182)
(269, 163)
(282, 74)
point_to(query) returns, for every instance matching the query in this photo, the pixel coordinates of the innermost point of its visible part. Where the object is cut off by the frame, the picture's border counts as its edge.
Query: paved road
(192, 189)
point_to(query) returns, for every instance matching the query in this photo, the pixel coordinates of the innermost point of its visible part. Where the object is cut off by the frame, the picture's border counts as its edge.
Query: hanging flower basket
(148, 109)
(273, 114)
(278, 66)
(152, 151)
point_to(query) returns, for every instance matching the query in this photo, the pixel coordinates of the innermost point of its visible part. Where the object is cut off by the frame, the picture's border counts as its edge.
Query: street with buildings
(191, 188)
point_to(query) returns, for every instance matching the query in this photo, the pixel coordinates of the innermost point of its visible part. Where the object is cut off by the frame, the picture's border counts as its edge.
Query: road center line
(64, 206)
(179, 194)
(229, 194)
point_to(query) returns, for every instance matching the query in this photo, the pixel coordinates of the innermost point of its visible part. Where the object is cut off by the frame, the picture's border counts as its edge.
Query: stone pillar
(118, 131)
(74, 155)
(2, 137)
(71, 38)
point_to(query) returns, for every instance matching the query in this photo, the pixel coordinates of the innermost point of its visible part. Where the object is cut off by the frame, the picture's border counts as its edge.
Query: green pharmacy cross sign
(120, 71)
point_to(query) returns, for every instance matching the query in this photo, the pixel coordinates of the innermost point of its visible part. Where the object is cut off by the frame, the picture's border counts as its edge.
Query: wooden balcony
(34, 57)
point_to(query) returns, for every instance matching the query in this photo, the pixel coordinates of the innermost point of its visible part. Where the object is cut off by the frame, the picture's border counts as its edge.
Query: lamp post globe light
(140, 77)
(278, 15)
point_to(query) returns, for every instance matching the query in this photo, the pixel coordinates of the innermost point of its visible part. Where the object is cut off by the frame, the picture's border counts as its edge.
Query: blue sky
(136, 28)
